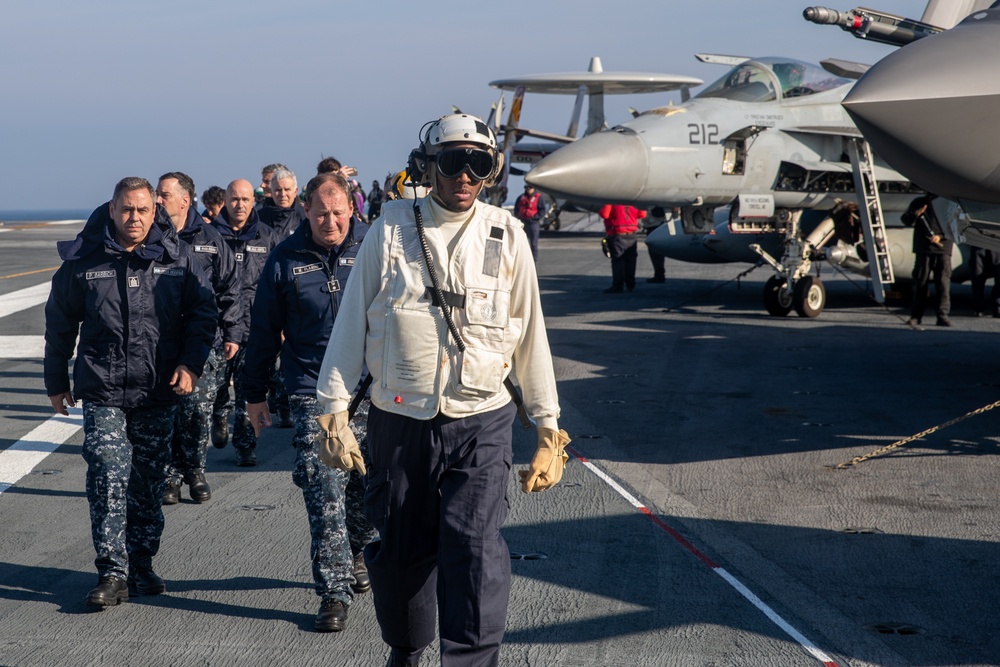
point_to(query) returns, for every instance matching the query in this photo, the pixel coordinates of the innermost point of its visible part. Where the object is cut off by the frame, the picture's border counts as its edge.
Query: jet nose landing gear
(807, 296)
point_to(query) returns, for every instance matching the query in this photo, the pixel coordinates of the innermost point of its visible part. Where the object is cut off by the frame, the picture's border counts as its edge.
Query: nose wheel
(807, 296)
(777, 298)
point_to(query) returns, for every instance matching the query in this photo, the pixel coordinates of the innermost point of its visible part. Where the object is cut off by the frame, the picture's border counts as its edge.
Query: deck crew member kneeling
(448, 306)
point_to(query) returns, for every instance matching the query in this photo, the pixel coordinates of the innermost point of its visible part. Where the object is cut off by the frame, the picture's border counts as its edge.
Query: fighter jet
(591, 85)
(930, 109)
(769, 138)
(723, 246)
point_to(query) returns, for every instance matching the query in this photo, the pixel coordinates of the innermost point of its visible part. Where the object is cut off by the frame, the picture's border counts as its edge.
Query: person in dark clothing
(213, 199)
(985, 264)
(174, 194)
(529, 208)
(298, 299)
(282, 211)
(264, 189)
(932, 250)
(251, 241)
(375, 197)
(620, 225)
(146, 319)
(657, 217)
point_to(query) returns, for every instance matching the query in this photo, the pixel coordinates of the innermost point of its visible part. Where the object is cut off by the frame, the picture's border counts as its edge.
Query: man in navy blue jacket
(146, 319)
(251, 241)
(175, 194)
(299, 295)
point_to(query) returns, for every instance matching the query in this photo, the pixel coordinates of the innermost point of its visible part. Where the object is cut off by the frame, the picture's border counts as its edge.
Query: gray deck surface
(718, 418)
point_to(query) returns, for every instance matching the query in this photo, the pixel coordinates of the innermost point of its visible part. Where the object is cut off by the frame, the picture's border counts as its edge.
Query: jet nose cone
(930, 110)
(607, 167)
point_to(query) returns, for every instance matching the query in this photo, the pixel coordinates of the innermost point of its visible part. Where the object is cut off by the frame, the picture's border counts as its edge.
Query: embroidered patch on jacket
(94, 275)
(308, 268)
(496, 233)
(345, 261)
(259, 249)
(133, 281)
(491, 258)
(164, 271)
(206, 248)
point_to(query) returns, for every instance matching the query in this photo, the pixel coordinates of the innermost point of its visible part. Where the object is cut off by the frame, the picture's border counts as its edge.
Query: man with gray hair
(264, 189)
(138, 301)
(282, 211)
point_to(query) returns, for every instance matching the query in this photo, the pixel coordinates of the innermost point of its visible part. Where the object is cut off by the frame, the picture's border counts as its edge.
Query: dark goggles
(451, 162)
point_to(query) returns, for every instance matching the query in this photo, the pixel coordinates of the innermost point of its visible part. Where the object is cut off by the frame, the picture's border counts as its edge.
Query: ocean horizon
(44, 214)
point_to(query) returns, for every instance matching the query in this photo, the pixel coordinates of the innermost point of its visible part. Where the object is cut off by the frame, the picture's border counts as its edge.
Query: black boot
(197, 486)
(143, 581)
(285, 418)
(172, 492)
(246, 457)
(331, 617)
(362, 584)
(220, 431)
(111, 590)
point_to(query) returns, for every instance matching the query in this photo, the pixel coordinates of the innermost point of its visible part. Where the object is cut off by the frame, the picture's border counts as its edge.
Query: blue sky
(96, 91)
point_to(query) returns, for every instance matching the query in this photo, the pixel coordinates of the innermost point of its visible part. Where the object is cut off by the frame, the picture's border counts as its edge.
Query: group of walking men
(437, 304)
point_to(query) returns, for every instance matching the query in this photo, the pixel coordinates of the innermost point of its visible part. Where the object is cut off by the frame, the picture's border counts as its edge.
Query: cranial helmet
(403, 187)
(451, 129)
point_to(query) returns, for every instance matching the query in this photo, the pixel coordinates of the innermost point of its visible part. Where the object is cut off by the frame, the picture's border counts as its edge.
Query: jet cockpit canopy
(765, 79)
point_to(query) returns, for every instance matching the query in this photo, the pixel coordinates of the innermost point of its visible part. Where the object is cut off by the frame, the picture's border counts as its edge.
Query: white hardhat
(459, 127)
(454, 128)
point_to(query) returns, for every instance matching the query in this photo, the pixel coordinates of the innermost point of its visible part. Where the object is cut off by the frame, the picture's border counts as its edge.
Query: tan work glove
(547, 465)
(338, 448)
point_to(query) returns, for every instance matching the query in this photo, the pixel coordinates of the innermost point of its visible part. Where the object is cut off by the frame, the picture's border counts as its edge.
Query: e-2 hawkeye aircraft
(769, 139)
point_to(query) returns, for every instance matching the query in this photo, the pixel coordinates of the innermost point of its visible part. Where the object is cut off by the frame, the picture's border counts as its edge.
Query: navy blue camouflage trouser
(126, 453)
(193, 423)
(334, 502)
(243, 435)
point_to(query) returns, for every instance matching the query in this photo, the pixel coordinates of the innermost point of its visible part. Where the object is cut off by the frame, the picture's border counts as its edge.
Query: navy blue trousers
(437, 494)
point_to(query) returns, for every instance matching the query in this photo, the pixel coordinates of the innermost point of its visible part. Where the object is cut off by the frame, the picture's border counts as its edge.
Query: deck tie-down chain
(899, 443)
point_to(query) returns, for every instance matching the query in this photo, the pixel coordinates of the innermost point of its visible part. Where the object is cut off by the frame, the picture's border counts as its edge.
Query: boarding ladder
(870, 211)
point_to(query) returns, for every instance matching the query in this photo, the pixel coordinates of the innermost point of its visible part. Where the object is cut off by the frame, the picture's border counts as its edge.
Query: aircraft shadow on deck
(725, 293)
(716, 387)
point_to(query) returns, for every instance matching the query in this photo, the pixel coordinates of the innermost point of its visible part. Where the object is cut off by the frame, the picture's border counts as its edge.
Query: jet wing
(610, 83)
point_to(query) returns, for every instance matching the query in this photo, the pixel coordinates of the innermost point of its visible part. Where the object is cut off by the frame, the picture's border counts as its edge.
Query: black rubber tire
(777, 300)
(809, 296)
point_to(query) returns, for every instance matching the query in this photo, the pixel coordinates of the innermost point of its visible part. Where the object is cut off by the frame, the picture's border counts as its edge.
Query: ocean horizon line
(44, 214)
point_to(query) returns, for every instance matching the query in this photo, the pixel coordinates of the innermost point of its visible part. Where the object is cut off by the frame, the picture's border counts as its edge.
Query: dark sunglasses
(451, 162)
